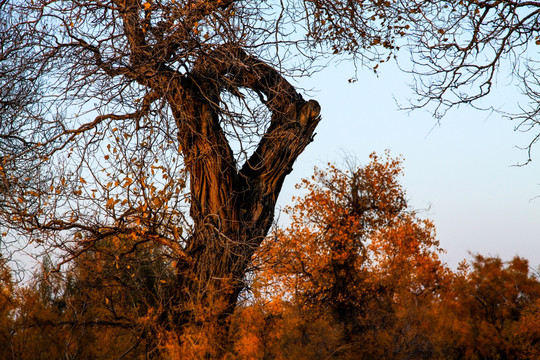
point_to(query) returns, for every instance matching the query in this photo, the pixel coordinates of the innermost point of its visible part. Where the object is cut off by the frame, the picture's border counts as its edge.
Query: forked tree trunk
(232, 208)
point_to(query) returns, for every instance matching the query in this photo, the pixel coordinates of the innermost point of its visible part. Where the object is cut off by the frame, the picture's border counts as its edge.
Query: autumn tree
(357, 274)
(355, 251)
(490, 311)
(172, 121)
(7, 304)
(105, 305)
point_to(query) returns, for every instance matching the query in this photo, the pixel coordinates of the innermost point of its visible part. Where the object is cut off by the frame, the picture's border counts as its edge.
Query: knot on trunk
(309, 112)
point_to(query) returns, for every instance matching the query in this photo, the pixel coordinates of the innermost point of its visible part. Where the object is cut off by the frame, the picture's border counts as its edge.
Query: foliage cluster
(356, 275)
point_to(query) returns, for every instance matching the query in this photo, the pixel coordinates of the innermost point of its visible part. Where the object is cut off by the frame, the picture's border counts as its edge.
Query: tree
(489, 311)
(7, 304)
(128, 112)
(104, 306)
(355, 252)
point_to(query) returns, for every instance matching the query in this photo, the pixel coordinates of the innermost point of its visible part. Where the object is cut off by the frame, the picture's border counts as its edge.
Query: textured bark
(232, 208)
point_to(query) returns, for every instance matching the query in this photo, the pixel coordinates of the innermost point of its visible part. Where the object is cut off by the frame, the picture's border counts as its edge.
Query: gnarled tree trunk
(232, 208)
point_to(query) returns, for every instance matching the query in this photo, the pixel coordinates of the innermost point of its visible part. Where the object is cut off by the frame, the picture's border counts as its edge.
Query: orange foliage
(490, 311)
(354, 252)
(356, 275)
(357, 263)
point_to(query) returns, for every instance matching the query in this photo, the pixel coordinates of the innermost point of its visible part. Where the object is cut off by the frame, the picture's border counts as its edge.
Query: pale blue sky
(462, 170)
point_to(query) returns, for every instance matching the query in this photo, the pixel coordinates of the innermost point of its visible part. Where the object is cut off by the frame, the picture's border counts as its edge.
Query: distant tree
(121, 287)
(106, 306)
(8, 303)
(355, 252)
(489, 311)
(527, 330)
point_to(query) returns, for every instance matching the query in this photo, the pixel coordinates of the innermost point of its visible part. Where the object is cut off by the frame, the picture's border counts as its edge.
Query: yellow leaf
(147, 6)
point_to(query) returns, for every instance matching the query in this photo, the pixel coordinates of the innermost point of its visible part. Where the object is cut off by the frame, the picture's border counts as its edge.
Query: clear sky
(462, 169)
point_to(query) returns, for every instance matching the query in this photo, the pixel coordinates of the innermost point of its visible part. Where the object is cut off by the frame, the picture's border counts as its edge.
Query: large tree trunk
(232, 208)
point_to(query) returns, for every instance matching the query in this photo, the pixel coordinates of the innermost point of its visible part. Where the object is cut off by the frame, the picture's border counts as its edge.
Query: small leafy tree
(108, 305)
(8, 303)
(485, 311)
(355, 251)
